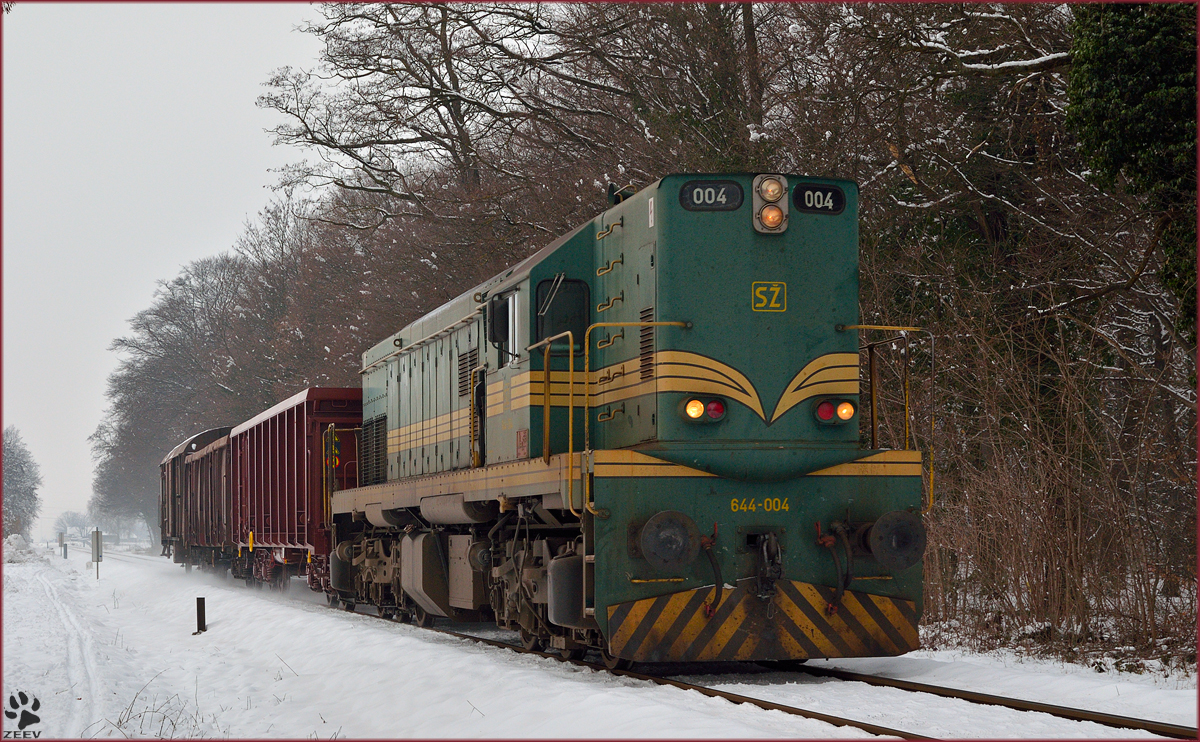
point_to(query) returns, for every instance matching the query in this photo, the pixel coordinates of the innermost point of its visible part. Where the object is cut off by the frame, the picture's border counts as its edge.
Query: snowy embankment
(116, 657)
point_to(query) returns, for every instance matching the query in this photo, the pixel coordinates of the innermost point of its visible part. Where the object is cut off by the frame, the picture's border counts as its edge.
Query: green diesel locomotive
(644, 439)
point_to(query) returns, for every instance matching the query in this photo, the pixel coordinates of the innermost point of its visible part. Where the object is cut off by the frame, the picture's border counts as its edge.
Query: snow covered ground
(116, 657)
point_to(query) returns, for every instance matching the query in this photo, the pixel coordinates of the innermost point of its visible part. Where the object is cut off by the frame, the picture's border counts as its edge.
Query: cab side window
(504, 327)
(562, 304)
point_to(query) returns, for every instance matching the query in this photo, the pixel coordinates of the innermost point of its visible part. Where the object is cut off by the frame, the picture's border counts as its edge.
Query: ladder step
(589, 558)
(589, 611)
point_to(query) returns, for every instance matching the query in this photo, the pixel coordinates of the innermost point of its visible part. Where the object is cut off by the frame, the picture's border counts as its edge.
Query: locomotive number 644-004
(751, 505)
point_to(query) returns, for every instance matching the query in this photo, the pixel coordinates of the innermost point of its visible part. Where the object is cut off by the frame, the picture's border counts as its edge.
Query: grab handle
(611, 264)
(610, 340)
(604, 417)
(611, 227)
(609, 304)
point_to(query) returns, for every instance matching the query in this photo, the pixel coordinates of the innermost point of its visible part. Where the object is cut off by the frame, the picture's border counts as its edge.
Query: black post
(200, 625)
(64, 551)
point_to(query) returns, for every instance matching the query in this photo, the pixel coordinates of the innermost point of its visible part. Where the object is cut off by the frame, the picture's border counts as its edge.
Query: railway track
(1174, 731)
(710, 692)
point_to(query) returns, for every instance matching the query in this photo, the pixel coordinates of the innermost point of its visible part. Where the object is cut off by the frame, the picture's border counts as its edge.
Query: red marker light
(825, 411)
(716, 409)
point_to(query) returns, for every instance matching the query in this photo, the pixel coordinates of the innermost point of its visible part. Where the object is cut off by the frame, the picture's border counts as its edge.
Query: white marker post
(97, 550)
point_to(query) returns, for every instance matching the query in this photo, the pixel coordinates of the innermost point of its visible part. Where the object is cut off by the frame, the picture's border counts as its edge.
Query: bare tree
(22, 478)
(72, 519)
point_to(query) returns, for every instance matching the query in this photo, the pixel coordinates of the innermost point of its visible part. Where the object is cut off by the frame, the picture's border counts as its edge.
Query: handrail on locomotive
(570, 336)
(873, 380)
(587, 392)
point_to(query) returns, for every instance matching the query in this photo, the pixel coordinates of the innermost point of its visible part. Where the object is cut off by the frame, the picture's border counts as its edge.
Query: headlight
(771, 216)
(834, 411)
(770, 189)
(703, 410)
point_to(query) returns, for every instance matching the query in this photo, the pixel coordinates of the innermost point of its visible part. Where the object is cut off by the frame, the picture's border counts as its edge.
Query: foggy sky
(132, 146)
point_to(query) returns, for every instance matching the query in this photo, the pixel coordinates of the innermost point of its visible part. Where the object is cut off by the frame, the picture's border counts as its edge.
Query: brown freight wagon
(176, 494)
(280, 490)
(208, 522)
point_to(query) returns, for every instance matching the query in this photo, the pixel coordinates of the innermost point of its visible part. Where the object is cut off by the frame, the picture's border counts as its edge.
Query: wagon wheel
(388, 613)
(572, 655)
(421, 617)
(532, 642)
(613, 663)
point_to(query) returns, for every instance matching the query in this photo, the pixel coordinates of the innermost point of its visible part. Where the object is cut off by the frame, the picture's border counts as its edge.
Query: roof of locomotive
(463, 304)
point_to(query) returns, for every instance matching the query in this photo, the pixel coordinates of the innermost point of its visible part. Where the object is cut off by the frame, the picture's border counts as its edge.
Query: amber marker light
(771, 216)
(845, 411)
(694, 409)
(770, 189)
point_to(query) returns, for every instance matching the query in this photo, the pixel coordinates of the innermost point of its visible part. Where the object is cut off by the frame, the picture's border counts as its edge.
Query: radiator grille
(646, 344)
(372, 467)
(466, 362)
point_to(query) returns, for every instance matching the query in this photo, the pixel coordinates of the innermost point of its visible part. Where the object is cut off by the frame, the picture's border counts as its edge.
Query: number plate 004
(710, 195)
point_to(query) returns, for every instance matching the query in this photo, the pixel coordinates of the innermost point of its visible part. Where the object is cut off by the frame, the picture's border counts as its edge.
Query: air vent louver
(646, 344)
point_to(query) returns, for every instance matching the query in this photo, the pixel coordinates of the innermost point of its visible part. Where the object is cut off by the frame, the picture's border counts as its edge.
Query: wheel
(573, 655)
(388, 613)
(614, 663)
(531, 642)
(421, 617)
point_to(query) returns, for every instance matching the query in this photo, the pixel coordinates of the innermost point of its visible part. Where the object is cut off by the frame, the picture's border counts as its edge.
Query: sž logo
(21, 707)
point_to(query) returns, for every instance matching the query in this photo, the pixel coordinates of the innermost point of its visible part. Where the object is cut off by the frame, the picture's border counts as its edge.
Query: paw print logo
(26, 705)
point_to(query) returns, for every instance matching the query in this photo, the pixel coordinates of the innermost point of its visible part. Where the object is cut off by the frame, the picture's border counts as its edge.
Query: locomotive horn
(896, 540)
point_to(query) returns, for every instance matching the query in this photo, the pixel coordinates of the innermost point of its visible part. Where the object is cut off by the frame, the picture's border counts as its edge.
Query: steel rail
(710, 692)
(1175, 731)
